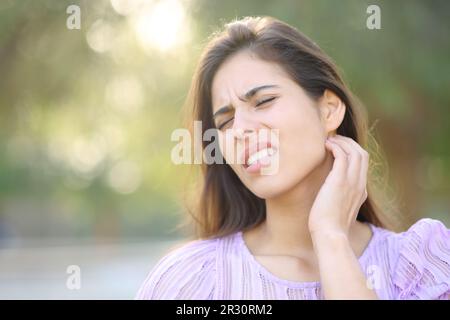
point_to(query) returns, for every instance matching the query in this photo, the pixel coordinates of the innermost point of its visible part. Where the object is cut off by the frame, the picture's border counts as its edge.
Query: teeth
(259, 155)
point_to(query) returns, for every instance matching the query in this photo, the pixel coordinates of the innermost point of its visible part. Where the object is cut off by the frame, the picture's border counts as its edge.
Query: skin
(311, 232)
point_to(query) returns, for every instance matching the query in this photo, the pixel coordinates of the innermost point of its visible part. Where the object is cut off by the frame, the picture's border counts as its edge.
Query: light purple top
(414, 264)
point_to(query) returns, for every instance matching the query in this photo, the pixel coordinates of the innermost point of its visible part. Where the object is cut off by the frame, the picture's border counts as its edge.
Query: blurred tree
(86, 115)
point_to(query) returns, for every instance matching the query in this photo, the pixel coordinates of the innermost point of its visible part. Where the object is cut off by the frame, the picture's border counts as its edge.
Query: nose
(243, 125)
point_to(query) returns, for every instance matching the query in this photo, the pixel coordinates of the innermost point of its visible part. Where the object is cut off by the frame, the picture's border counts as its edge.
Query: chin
(285, 180)
(272, 186)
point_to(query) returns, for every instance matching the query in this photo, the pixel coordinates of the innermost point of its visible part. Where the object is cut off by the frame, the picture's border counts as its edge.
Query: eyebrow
(246, 97)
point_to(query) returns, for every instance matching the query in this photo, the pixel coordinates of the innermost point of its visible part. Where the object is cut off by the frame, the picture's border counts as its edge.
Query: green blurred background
(86, 115)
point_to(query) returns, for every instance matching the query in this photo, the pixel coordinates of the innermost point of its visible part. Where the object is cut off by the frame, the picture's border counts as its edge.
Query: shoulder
(187, 272)
(421, 268)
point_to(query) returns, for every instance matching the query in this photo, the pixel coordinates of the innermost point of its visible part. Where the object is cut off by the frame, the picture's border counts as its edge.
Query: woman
(311, 229)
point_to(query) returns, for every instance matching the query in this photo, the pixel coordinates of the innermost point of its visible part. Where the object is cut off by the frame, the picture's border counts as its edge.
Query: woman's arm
(340, 272)
(332, 215)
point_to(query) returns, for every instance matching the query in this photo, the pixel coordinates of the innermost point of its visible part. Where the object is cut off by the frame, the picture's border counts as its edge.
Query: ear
(332, 111)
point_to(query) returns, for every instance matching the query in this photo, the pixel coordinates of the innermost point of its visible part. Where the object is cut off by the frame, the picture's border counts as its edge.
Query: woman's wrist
(330, 241)
(341, 274)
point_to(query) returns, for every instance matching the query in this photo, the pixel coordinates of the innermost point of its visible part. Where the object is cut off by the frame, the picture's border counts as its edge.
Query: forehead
(242, 72)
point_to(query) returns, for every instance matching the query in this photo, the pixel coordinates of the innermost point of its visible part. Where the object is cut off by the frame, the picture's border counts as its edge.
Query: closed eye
(224, 123)
(259, 103)
(265, 101)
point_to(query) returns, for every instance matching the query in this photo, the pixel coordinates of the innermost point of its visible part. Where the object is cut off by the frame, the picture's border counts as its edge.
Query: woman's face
(279, 104)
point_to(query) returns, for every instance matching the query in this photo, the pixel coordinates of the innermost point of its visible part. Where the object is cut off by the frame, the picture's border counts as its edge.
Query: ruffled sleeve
(422, 270)
(184, 273)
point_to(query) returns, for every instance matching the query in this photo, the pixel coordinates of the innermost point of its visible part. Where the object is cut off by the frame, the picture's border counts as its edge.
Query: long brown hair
(225, 204)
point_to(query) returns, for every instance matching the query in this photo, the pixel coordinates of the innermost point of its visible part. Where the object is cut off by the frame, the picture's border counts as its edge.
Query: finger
(364, 196)
(357, 146)
(364, 162)
(354, 160)
(340, 157)
(354, 143)
(364, 170)
(364, 159)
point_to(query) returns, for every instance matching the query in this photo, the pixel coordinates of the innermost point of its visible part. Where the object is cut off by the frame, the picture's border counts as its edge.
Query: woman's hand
(344, 191)
(334, 211)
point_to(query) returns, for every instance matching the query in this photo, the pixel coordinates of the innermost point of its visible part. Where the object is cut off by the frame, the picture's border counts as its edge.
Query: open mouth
(258, 157)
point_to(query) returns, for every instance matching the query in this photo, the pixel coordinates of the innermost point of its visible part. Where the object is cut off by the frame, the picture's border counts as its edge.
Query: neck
(286, 226)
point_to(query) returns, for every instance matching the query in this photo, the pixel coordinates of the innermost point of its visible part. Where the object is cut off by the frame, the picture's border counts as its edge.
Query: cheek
(230, 154)
(302, 140)
(302, 149)
(226, 147)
